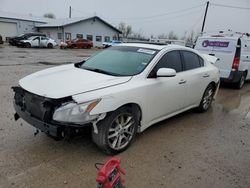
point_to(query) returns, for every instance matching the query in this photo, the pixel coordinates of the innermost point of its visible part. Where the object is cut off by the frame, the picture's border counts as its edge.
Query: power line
(162, 19)
(146, 17)
(196, 23)
(230, 6)
(159, 15)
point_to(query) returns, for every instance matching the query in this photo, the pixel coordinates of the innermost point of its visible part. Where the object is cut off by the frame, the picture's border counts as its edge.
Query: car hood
(67, 80)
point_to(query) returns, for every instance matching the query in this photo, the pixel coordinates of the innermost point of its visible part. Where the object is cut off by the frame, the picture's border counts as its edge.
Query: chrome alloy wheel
(121, 131)
(208, 98)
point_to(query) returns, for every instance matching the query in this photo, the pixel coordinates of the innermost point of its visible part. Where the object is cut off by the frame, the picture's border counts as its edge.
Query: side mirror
(166, 72)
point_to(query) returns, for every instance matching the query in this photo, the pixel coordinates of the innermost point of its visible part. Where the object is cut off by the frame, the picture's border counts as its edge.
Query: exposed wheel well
(136, 108)
(213, 84)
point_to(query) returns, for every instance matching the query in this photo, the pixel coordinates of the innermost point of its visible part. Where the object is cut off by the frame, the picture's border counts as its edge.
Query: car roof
(155, 46)
(218, 37)
(143, 45)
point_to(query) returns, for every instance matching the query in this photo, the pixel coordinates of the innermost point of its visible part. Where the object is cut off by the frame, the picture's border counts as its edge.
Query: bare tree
(49, 15)
(138, 35)
(128, 30)
(125, 29)
(190, 40)
(172, 35)
(162, 36)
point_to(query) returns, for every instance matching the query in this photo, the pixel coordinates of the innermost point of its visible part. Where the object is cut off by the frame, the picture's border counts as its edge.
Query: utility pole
(205, 16)
(70, 12)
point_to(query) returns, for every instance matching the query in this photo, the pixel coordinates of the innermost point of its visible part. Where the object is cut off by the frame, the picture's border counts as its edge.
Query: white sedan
(119, 92)
(38, 41)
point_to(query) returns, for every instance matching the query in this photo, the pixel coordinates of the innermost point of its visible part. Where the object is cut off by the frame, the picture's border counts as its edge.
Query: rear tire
(241, 83)
(116, 131)
(207, 99)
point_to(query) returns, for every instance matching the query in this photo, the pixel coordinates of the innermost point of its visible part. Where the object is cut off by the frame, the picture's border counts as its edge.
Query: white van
(233, 53)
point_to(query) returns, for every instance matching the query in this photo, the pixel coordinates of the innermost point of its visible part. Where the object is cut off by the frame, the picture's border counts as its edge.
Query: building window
(98, 39)
(68, 36)
(107, 39)
(59, 35)
(90, 37)
(79, 36)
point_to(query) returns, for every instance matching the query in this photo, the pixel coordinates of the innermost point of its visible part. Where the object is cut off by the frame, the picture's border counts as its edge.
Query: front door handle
(182, 81)
(206, 75)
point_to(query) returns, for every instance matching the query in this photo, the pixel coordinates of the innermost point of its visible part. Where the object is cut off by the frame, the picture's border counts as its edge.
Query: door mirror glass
(166, 72)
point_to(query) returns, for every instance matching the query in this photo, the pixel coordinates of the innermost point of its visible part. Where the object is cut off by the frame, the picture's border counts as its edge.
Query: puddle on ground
(235, 101)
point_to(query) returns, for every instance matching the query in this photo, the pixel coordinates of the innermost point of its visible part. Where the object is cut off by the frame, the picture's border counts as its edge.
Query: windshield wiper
(101, 71)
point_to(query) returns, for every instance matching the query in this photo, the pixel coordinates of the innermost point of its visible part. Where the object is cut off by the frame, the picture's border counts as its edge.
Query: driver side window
(170, 60)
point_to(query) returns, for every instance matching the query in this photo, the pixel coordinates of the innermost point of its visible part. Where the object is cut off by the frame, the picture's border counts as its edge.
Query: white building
(94, 28)
(14, 24)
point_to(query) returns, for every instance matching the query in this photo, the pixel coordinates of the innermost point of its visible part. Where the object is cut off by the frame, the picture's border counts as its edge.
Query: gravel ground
(210, 149)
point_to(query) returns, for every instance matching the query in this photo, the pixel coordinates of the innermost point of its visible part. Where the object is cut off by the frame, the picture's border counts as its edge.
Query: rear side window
(191, 60)
(201, 62)
(170, 60)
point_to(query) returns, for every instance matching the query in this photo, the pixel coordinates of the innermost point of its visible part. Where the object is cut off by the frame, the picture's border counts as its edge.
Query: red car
(80, 43)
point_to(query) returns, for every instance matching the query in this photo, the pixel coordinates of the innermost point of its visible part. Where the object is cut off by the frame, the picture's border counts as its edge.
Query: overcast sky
(150, 17)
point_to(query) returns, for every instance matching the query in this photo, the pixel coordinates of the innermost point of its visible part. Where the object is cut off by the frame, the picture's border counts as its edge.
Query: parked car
(80, 43)
(120, 91)
(1, 39)
(233, 51)
(111, 43)
(15, 41)
(63, 45)
(38, 41)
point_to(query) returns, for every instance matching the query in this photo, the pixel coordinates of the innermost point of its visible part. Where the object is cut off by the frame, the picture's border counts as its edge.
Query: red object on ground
(109, 175)
(80, 43)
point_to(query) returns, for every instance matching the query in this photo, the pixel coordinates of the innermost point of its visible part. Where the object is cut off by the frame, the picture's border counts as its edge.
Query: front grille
(35, 105)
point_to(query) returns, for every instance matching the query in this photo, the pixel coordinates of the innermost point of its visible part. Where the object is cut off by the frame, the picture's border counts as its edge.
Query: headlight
(75, 113)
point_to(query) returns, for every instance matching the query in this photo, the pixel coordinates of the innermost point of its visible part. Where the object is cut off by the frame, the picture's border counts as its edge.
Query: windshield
(120, 61)
(31, 38)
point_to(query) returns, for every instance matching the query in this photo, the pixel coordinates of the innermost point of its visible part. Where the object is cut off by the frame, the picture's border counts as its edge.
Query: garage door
(8, 29)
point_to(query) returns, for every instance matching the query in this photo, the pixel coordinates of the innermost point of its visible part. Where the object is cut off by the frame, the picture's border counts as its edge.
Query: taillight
(236, 63)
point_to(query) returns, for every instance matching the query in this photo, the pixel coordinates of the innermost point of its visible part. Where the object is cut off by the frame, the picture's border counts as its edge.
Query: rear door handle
(206, 75)
(182, 81)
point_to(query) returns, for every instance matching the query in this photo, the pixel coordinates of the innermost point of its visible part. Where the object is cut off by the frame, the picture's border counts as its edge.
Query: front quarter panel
(113, 97)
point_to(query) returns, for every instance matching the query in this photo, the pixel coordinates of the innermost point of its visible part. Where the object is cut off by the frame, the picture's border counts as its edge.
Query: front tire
(207, 98)
(116, 131)
(50, 45)
(27, 45)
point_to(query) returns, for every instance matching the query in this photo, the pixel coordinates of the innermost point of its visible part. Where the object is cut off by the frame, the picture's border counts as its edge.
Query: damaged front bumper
(50, 129)
(38, 111)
